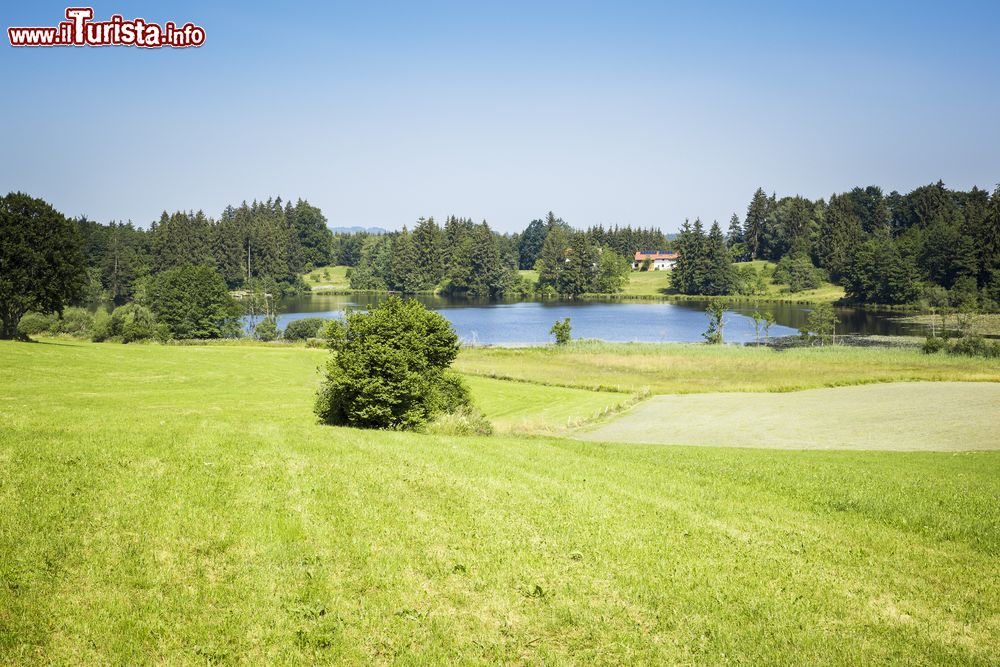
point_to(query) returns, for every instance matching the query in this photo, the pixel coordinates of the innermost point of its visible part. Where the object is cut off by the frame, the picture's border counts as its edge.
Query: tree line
(933, 244)
(264, 243)
(463, 257)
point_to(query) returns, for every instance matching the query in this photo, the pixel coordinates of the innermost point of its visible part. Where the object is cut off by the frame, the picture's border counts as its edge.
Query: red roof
(643, 256)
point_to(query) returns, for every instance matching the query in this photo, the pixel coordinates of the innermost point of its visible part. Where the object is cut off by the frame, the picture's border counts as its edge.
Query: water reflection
(525, 322)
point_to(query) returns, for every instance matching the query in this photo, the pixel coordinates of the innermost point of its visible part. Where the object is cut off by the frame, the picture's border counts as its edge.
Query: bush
(76, 322)
(102, 327)
(799, 273)
(975, 346)
(934, 344)
(307, 327)
(388, 368)
(32, 324)
(193, 302)
(464, 421)
(266, 330)
(750, 281)
(562, 331)
(133, 322)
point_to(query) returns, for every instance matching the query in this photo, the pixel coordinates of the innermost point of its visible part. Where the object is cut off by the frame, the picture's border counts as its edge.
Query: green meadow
(180, 504)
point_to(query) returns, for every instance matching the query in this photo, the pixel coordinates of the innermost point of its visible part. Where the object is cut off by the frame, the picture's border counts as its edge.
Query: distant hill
(355, 230)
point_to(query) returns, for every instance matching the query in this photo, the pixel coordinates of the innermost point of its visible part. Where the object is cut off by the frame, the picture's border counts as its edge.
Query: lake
(528, 322)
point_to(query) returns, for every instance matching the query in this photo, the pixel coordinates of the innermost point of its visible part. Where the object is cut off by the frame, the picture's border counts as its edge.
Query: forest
(933, 245)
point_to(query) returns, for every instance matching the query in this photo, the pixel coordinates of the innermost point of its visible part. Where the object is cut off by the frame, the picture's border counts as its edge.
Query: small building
(658, 260)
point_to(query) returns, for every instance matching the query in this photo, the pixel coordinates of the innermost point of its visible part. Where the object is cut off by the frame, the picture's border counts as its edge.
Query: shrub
(562, 331)
(32, 324)
(464, 421)
(193, 302)
(266, 330)
(798, 272)
(133, 322)
(388, 368)
(102, 327)
(750, 282)
(76, 322)
(975, 346)
(934, 344)
(307, 327)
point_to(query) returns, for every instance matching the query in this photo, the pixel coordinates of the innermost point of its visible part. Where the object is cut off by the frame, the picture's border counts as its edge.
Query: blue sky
(605, 112)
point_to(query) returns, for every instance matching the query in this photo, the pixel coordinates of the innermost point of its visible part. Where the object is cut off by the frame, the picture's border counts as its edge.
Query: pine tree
(428, 241)
(405, 273)
(553, 256)
(579, 268)
(839, 235)
(756, 221)
(720, 277)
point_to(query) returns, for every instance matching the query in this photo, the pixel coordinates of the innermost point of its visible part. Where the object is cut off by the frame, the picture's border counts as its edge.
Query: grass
(935, 416)
(675, 368)
(328, 278)
(827, 292)
(520, 407)
(983, 324)
(179, 505)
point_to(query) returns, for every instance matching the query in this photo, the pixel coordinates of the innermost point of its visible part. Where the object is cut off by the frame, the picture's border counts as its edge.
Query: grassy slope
(179, 505)
(328, 278)
(521, 407)
(674, 368)
(826, 292)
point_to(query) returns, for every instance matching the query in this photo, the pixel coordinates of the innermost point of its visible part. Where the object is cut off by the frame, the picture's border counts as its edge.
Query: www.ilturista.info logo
(80, 30)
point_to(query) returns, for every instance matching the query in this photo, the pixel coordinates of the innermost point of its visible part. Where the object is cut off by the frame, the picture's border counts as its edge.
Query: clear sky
(605, 112)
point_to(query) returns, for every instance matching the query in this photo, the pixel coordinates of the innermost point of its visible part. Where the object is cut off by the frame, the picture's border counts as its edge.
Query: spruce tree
(757, 214)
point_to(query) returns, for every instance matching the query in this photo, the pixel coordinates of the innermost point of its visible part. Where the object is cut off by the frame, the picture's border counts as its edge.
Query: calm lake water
(525, 322)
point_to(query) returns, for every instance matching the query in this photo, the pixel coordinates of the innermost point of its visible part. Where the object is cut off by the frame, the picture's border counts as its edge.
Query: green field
(328, 278)
(934, 416)
(673, 368)
(180, 505)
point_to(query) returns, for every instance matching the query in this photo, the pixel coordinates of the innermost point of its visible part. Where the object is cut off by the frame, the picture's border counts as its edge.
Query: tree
(734, 240)
(194, 303)
(822, 323)
(756, 220)
(42, 266)
(716, 323)
(428, 243)
(562, 330)
(181, 239)
(720, 277)
(839, 235)
(389, 368)
(552, 260)
(405, 273)
(579, 269)
(314, 238)
(612, 272)
(478, 266)
(529, 245)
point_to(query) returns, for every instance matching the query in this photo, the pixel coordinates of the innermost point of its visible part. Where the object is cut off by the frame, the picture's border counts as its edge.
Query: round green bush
(307, 327)
(388, 368)
(32, 324)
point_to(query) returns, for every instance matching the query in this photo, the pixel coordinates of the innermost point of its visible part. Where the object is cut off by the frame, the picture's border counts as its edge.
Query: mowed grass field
(936, 416)
(180, 505)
